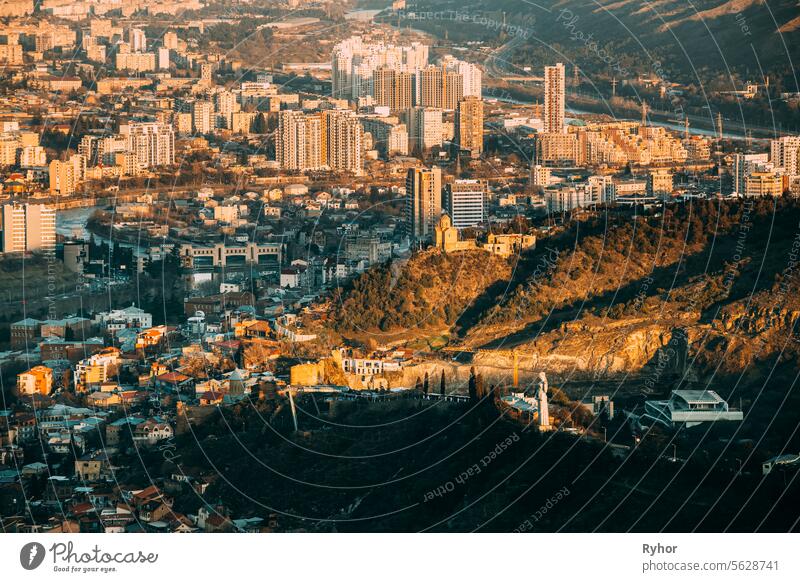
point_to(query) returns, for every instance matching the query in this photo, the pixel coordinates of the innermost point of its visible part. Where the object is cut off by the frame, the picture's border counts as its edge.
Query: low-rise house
(151, 432)
(121, 430)
(104, 399)
(93, 466)
(173, 381)
(37, 380)
(118, 319)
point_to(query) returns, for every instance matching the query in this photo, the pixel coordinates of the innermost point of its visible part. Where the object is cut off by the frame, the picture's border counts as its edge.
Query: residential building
(469, 125)
(426, 128)
(763, 184)
(554, 99)
(393, 88)
(785, 153)
(354, 62)
(423, 207)
(37, 380)
(345, 137)
(466, 203)
(202, 119)
(65, 176)
(659, 182)
(117, 319)
(28, 227)
(153, 143)
(743, 166)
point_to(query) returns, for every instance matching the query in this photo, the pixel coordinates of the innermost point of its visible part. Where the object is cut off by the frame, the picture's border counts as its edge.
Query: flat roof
(698, 396)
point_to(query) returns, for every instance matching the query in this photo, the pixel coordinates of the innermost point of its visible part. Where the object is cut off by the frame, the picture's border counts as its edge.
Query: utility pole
(614, 87)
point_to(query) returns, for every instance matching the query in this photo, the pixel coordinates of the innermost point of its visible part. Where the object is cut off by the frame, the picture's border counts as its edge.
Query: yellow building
(446, 237)
(506, 245)
(37, 380)
(763, 184)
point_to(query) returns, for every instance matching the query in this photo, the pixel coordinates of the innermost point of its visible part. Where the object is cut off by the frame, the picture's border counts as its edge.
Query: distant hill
(678, 40)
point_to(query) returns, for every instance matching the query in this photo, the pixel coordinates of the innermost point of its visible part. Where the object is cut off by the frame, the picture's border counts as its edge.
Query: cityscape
(276, 266)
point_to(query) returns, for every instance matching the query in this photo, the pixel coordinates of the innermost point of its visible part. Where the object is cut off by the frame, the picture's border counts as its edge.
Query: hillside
(373, 467)
(685, 41)
(705, 295)
(722, 274)
(423, 295)
(614, 294)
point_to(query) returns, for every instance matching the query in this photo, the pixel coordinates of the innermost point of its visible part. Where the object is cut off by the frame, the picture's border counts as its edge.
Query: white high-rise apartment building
(426, 127)
(202, 117)
(397, 142)
(28, 227)
(152, 143)
(785, 153)
(345, 147)
(471, 74)
(137, 40)
(466, 203)
(225, 105)
(354, 61)
(554, 99)
(299, 141)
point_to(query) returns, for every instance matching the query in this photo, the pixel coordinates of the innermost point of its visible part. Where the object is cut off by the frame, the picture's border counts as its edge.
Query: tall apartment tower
(65, 176)
(393, 89)
(290, 143)
(137, 39)
(785, 153)
(439, 88)
(28, 227)
(430, 84)
(152, 143)
(202, 117)
(423, 202)
(554, 99)
(301, 142)
(225, 105)
(425, 127)
(466, 203)
(345, 142)
(452, 90)
(469, 125)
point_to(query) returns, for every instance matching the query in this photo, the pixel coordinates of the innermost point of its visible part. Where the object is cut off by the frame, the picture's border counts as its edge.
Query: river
(72, 223)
